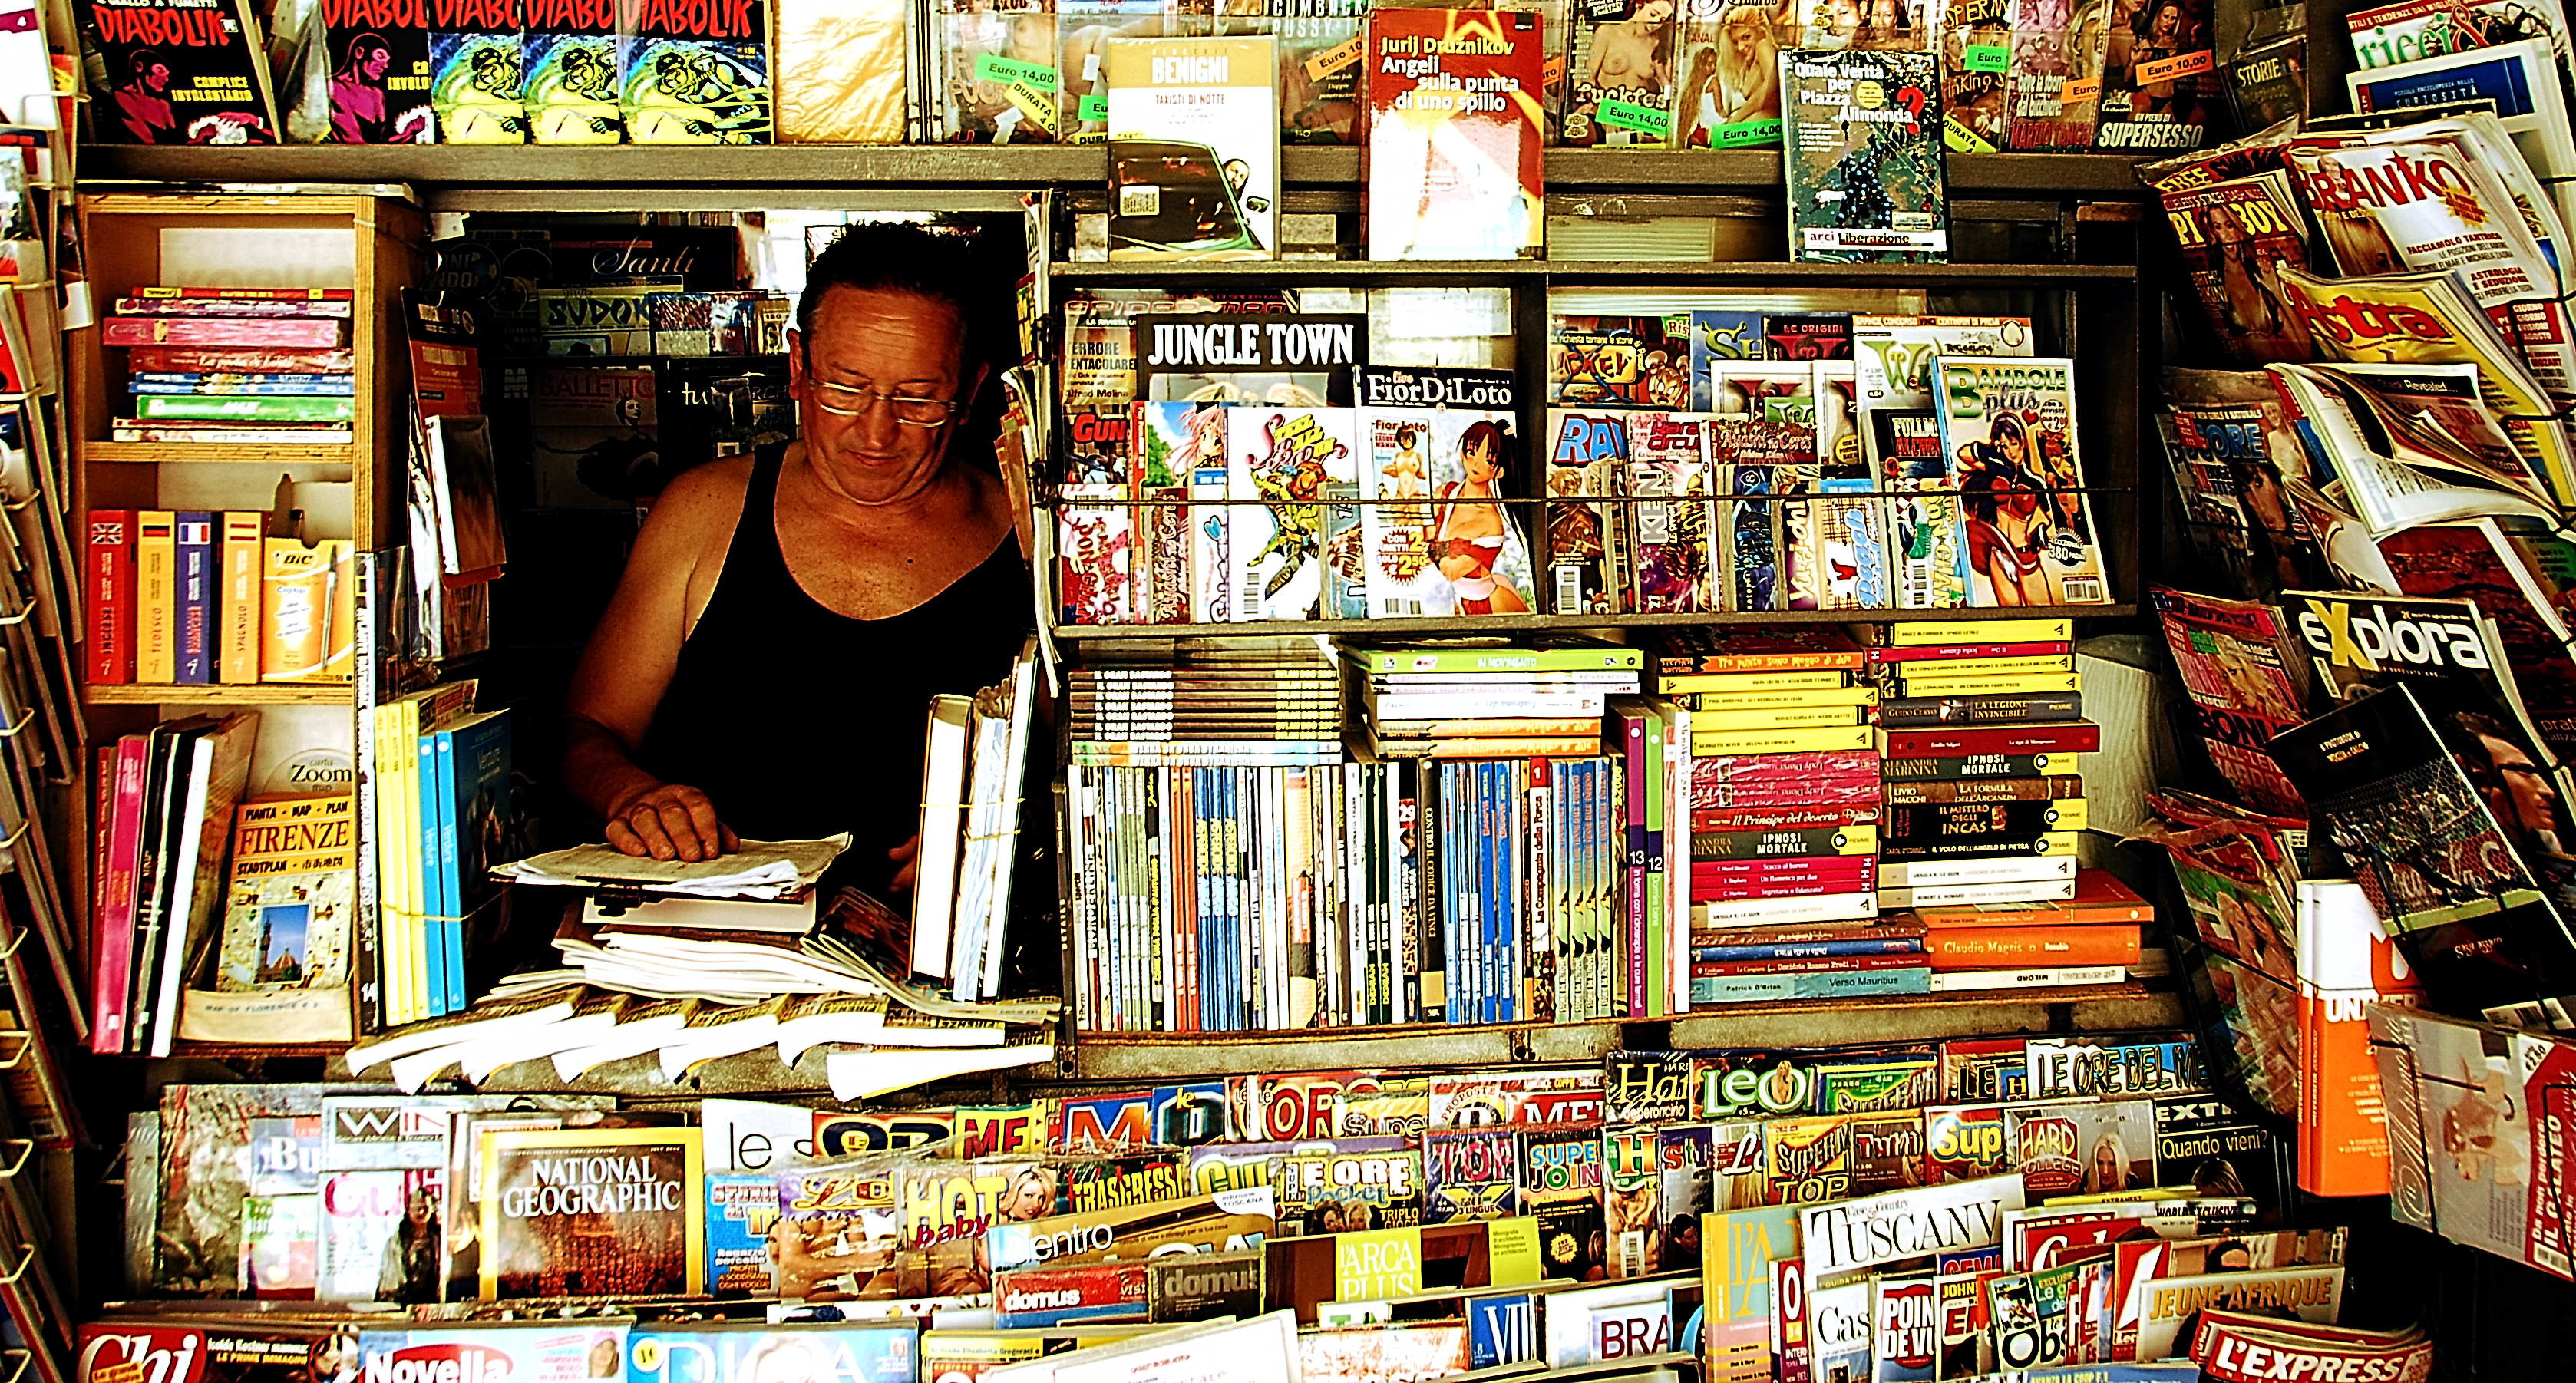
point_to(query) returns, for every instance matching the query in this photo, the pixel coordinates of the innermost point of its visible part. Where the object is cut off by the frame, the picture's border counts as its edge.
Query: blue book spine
(1811, 950)
(1489, 904)
(323, 386)
(1832, 984)
(434, 907)
(451, 887)
(195, 575)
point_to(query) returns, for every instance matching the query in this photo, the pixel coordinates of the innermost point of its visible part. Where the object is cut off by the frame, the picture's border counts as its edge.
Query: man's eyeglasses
(911, 410)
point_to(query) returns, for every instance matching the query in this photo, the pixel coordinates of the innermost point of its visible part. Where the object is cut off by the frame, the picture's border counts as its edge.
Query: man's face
(156, 78)
(377, 61)
(886, 343)
(2533, 802)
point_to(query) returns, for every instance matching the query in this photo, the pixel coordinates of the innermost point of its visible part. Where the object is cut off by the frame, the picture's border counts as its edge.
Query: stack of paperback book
(269, 366)
(442, 814)
(1491, 701)
(1784, 782)
(1237, 703)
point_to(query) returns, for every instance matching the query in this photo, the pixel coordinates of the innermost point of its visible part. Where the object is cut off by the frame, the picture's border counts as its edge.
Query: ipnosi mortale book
(1863, 157)
(180, 72)
(593, 1212)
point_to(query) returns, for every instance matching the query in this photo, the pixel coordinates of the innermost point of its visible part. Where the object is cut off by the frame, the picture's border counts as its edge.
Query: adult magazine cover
(2215, 526)
(2055, 76)
(2238, 236)
(1320, 71)
(2245, 679)
(1729, 97)
(1976, 56)
(998, 73)
(2159, 78)
(2242, 421)
(1863, 157)
(2009, 428)
(1620, 74)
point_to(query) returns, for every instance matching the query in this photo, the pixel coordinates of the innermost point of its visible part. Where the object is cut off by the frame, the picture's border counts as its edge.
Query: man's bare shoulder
(702, 496)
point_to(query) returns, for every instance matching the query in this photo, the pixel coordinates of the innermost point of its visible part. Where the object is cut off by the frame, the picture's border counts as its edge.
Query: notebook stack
(1784, 813)
(1979, 725)
(1252, 703)
(1480, 701)
(263, 366)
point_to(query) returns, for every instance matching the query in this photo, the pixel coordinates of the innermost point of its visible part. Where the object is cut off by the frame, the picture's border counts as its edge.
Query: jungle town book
(380, 74)
(583, 1212)
(1863, 157)
(1194, 148)
(1451, 159)
(180, 72)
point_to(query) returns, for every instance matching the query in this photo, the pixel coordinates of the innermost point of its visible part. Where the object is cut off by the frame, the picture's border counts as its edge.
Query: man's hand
(908, 855)
(670, 822)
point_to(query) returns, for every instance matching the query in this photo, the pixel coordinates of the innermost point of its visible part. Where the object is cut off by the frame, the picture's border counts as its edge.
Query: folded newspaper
(768, 869)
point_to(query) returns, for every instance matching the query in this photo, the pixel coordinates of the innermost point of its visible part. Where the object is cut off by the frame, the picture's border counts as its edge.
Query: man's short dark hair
(901, 257)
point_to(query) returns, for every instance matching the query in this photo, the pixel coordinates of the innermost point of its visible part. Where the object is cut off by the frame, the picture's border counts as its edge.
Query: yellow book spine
(294, 610)
(237, 651)
(1927, 633)
(1811, 740)
(1989, 686)
(388, 905)
(1767, 717)
(156, 588)
(1703, 683)
(1758, 700)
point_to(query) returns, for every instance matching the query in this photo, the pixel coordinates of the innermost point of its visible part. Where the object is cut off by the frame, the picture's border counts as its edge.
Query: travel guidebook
(1863, 156)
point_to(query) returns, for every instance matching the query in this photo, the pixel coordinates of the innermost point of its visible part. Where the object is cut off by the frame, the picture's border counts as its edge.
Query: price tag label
(1334, 59)
(1094, 108)
(1987, 57)
(1745, 134)
(2079, 94)
(1627, 115)
(2168, 69)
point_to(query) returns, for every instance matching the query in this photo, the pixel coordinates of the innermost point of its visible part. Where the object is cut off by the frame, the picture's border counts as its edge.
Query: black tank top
(798, 722)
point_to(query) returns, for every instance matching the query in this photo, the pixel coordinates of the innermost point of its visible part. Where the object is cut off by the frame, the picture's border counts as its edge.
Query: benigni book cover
(380, 74)
(1455, 102)
(180, 72)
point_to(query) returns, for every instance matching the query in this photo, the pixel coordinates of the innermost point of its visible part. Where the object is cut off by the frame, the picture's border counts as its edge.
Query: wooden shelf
(233, 694)
(1815, 1023)
(1606, 272)
(1506, 624)
(2038, 177)
(229, 453)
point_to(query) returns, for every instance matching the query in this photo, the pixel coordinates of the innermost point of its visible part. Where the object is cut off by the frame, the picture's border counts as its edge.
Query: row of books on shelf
(1910, 463)
(1513, 835)
(266, 366)
(444, 812)
(208, 598)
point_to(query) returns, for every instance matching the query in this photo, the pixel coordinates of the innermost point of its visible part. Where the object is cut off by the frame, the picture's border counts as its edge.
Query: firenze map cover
(1863, 152)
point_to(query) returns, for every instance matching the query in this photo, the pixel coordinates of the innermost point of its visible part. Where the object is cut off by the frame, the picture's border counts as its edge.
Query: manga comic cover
(1280, 463)
(696, 73)
(1450, 554)
(1863, 157)
(1668, 528)
(1587, 458)
(1620, 362)
(2009, 428)
(1926, 543)
(1620, 74)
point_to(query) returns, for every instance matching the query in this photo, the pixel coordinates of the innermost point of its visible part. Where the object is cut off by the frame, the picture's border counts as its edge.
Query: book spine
(156, 649)
(112, 597)
(1633, 876)
(322, 385)
(169, 361)
(452, 890)
(1974, 981)
(366, 980)
(237, 623)
(2043, 844)
(1912, 653)
(1980, 820)
(2073, 737)
(168, 295)
(1659, 956)
(1809, 950)
(1742, 989)
(246, 408)
(1804, 740)
(230, 307)
(1728, 820)
(1858, 841)
(194, 556)
(2005, 869)
(434, 907)
(318, 434)
(1945, 633)
(1938, 791)
(1909, 712)
(1830, 907)
(111, 992)
(1817, 965)
(1965, 948)
(218, 331)
(1897, 769)
(1403, 892)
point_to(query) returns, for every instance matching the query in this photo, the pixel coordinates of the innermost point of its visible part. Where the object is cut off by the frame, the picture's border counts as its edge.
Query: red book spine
(194, 360)
(279, 295)
(1786, 818)
(1970, 650)
(1893, 929)
(1986, 948)
(111, 596)
(2066, 737)
(115, 949)
(1808, 966)
(1638, 940)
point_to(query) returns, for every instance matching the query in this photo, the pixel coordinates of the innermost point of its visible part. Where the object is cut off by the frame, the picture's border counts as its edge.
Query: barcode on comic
(1569, 591)
(1404, 607)
(2083, 590)
(1918, 586)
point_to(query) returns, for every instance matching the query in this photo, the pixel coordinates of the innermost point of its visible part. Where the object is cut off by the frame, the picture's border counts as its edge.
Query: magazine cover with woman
(2009, 427)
